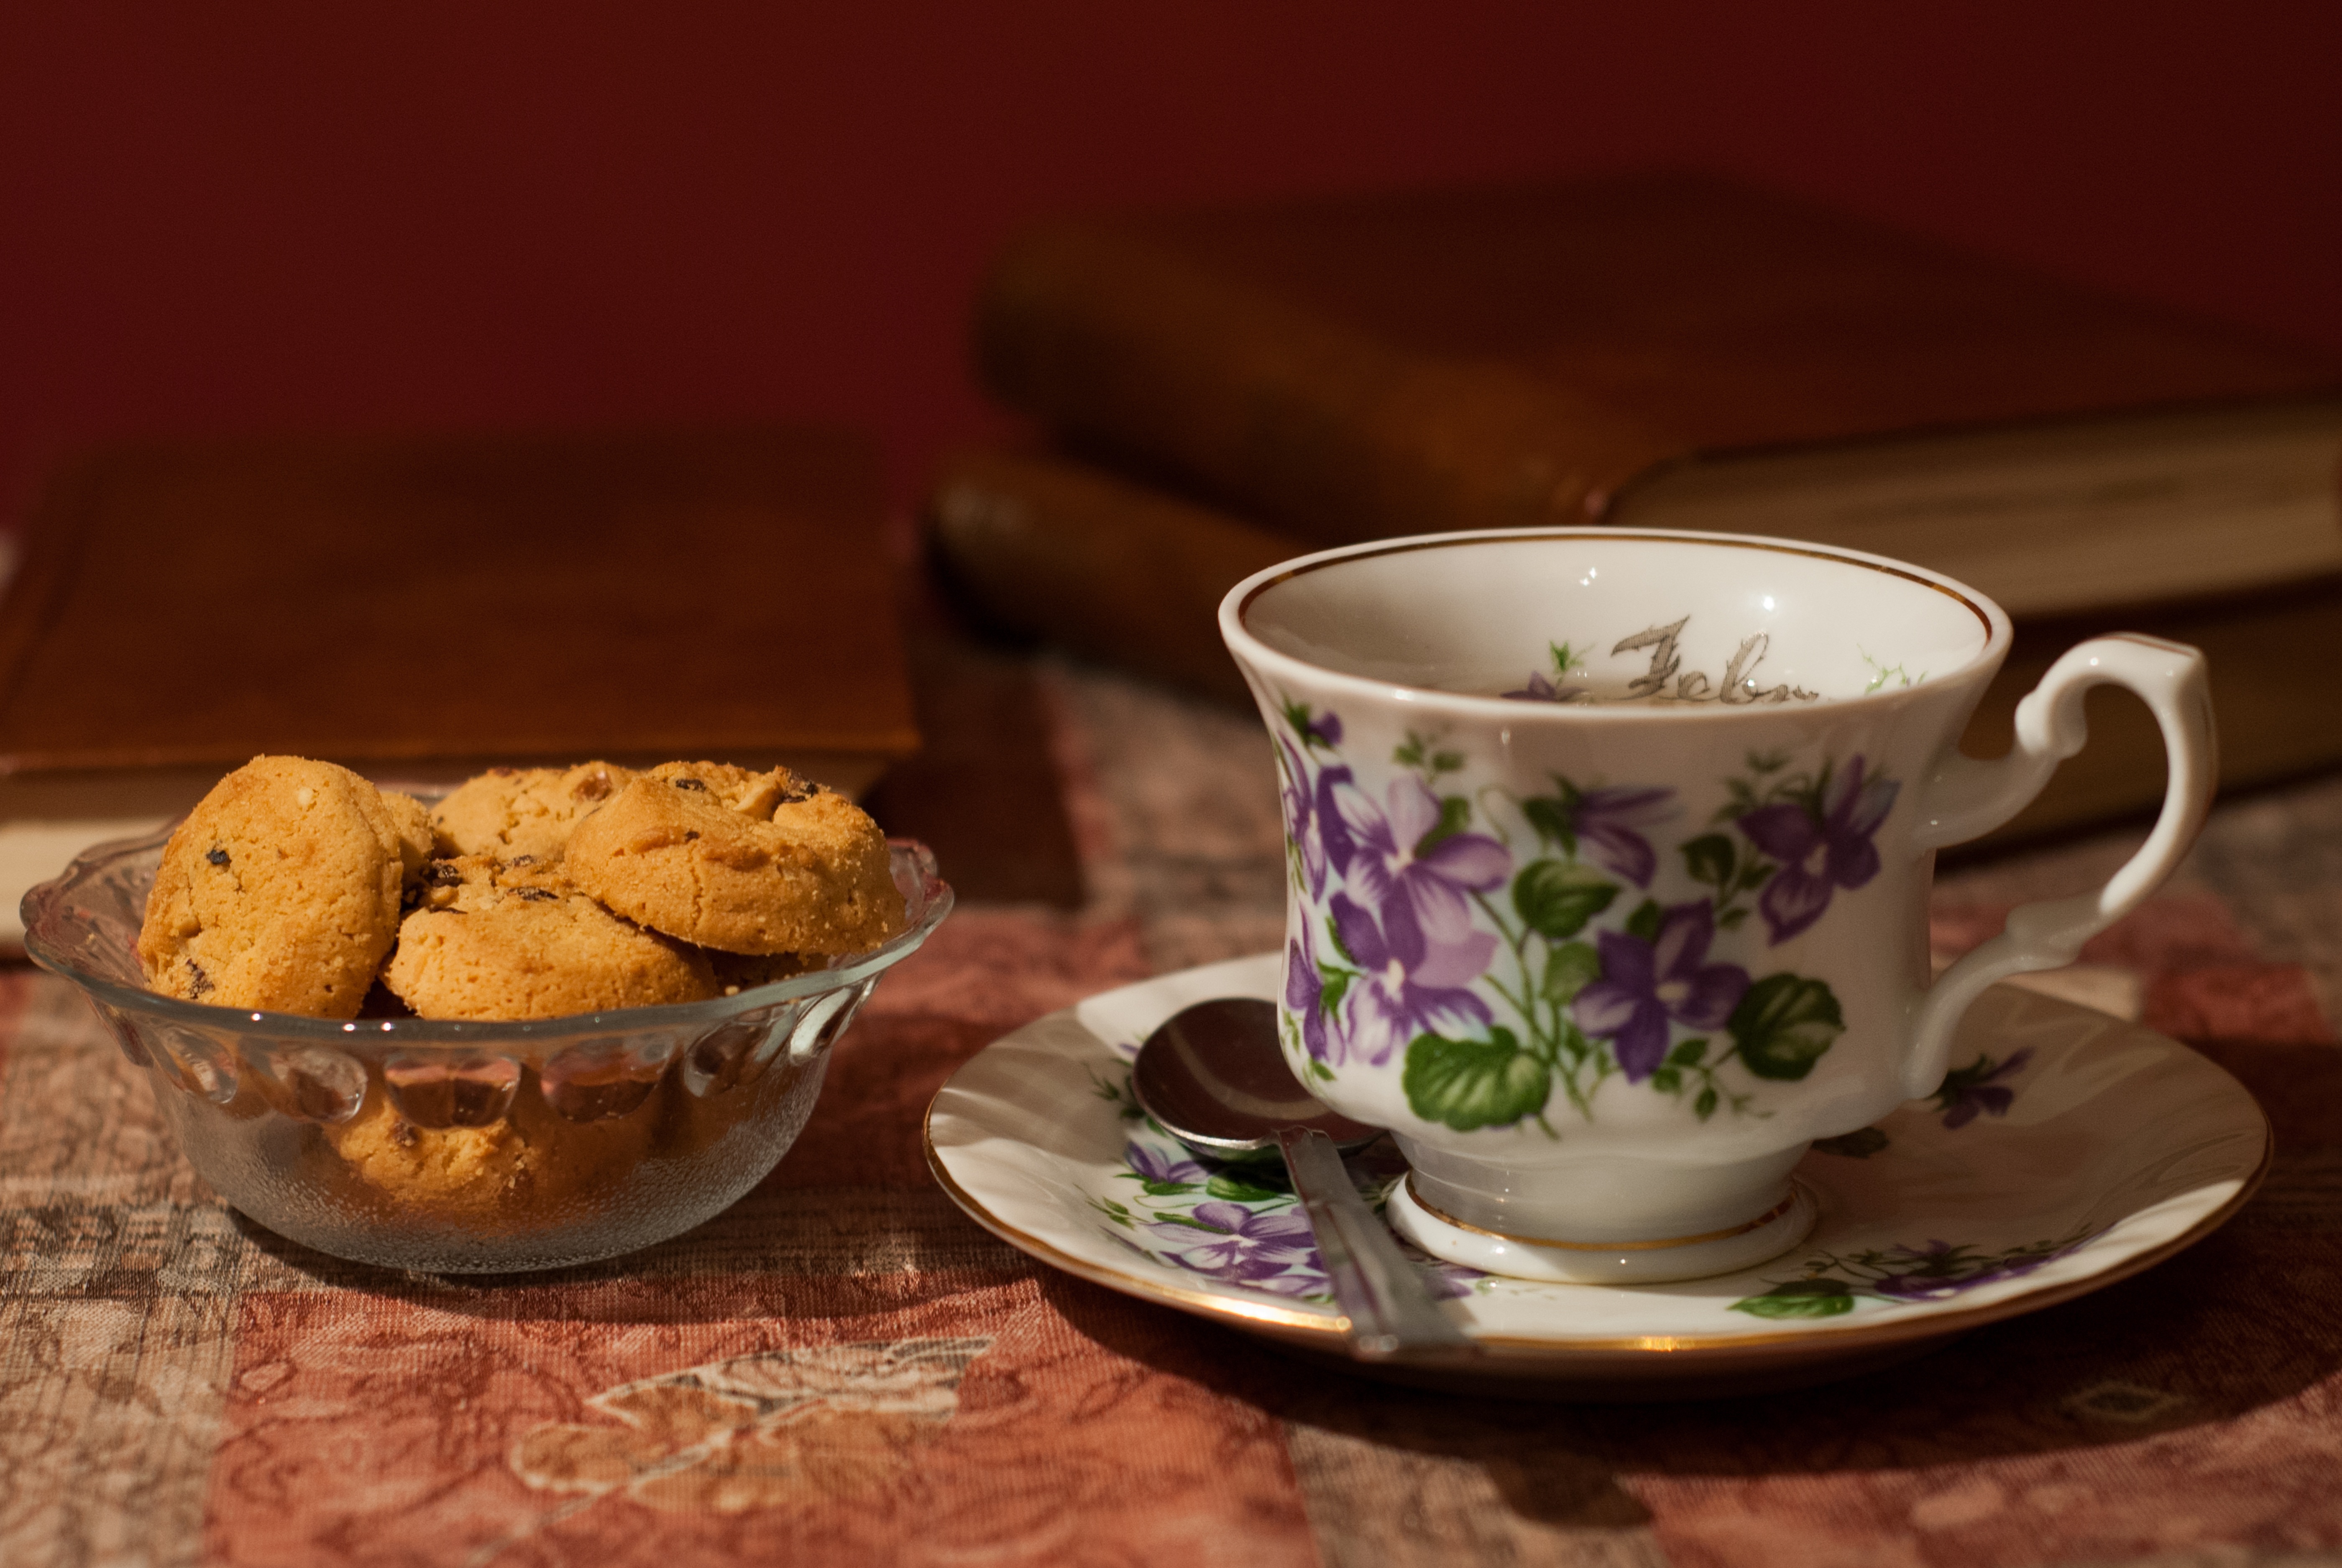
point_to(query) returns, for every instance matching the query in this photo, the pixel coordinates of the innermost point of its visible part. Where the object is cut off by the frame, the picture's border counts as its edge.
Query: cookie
(410, 820)
(509, 811)
(746, 862)
(738, 971)
(492, 939)
(279, 892)
(520, 1171)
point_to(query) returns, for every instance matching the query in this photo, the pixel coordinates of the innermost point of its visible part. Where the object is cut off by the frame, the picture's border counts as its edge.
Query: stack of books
(1224, 389)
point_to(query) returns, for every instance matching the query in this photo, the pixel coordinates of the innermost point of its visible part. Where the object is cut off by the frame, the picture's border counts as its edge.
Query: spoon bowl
(1206, 1079)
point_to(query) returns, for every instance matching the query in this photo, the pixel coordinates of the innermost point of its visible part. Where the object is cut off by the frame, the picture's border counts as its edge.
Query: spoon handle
(1391, 1313)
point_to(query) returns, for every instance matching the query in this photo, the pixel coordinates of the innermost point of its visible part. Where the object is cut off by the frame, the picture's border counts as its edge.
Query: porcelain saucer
(2066, 1150)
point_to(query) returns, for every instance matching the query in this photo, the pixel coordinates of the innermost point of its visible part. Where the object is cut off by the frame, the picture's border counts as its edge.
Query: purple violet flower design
(1229, 1242)
(1605, 821)
(1819, 856)
(1324, 730)
(1939, 1271)
(1413, 983)
(1541, 689)
(1449, 1282)
(1645, 984)
(1337, 846)
(1304, 994)
(1150, 1166)
(1971, 1090)
(1391, 866)
(1312, 817)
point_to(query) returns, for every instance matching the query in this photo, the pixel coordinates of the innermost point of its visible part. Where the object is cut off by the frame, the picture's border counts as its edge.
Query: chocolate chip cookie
(509, 811)
(517, 939)
(529, 1162)
(744, 862)
(738, 971)
(410, 820)
(279, 892)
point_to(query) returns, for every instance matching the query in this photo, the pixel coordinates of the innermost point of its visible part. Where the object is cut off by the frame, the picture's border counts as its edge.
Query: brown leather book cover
(1055, 548)
(1405, 364)
(411, 605)
(1044, 547)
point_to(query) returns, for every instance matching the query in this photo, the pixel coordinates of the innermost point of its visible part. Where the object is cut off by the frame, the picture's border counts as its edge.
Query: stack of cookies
(530, 892)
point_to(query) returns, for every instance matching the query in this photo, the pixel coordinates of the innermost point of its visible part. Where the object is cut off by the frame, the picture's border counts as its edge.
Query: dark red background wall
(219, 217)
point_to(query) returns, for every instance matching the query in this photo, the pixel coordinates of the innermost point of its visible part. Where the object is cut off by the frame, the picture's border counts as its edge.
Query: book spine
(1048, 548)
(1318, 428)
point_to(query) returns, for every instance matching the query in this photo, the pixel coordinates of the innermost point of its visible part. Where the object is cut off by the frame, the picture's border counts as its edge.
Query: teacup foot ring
(1766, 1237)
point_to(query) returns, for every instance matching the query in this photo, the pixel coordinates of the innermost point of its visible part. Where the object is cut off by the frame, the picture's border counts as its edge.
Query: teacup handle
(1966, 797)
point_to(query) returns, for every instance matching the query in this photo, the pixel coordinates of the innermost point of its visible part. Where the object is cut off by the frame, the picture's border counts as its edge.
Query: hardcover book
(418, 609)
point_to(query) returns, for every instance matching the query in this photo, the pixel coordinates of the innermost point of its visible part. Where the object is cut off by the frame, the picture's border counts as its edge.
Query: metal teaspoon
(1213, 1077)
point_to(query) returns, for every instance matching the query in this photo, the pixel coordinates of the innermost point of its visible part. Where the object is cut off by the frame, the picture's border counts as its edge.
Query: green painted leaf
(1468, 1084)
(1334, 934)
(1705, 1106)
(1569, 969)
(1668, 1080)
(1557, 899)
(1166, 1189)
(1801, 1298)
(1689, 1054)
(1322, 1071)
(1237, 1189)
(1858, 1145)
(1337, 986)
(1551, 819)
(1784, 1024)
(1647, 920)
(1455, 816)
(1730, 919)
(1709, 858)
(1960, 1080)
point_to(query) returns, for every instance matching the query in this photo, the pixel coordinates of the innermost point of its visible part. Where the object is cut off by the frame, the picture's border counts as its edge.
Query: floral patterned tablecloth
(843, 1369)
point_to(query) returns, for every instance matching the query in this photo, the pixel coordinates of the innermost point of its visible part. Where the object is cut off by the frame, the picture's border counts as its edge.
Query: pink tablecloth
(178, 1386)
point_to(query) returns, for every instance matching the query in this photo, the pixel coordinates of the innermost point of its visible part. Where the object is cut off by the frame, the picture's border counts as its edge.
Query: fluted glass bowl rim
(45, 909)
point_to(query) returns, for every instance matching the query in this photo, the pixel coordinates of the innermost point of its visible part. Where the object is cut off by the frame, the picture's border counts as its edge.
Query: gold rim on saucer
(1572, 1354)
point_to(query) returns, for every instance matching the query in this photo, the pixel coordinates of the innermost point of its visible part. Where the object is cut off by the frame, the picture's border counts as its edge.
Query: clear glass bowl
(513, 1145)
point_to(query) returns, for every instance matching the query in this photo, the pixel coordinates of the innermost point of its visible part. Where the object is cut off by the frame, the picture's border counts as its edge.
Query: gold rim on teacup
(1998, 633)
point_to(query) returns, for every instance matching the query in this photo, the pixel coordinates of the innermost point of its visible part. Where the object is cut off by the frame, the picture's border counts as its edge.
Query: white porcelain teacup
(1610, 856)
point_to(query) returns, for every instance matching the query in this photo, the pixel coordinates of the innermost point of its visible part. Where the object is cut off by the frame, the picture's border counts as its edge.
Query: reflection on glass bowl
(462, 1147)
